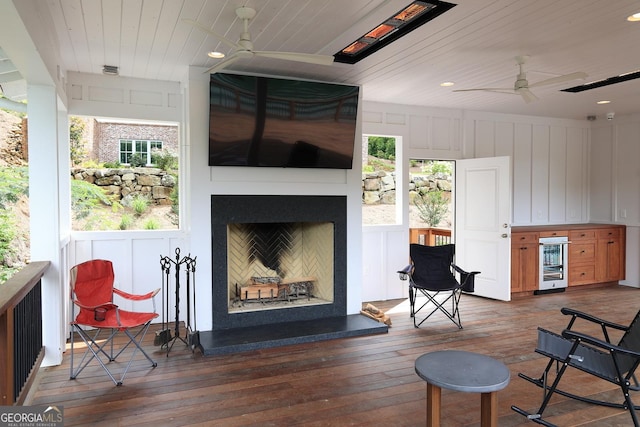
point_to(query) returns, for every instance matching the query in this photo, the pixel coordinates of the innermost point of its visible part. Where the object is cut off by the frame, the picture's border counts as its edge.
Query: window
(105, 195)
(144, 148)
(379, 180)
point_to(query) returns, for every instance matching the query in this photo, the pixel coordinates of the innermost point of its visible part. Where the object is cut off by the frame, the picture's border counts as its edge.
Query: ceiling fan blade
(220, 37)
(507, 90)
(527, 95)
(299, 57)
(221, 65)
(560, 79)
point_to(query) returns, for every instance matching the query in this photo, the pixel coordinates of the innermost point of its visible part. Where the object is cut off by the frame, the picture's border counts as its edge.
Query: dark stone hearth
(227, 341)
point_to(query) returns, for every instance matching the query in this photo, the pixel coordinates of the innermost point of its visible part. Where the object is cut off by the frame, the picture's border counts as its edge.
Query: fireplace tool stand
(191, 337)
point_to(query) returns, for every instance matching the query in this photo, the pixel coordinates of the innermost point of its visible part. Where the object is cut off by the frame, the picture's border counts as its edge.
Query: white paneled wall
(136, 260)
(615, 182)
(550, 172)
(550, 163)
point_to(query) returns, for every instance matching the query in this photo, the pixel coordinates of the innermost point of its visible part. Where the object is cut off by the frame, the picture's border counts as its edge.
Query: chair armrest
(611, 348)
(467, 278)
(590, 318)
(461, 271)
(135, 297)
(405, 272)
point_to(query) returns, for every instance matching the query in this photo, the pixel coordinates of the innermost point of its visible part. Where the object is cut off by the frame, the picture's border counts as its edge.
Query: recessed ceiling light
(215, 55)
(603, 102)
(634, 18)
(447, 84)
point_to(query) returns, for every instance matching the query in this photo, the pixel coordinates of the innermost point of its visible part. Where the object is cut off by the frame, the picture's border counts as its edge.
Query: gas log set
(274, 289)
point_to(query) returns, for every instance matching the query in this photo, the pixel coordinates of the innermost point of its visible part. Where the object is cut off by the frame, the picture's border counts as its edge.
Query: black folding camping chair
(432, 273)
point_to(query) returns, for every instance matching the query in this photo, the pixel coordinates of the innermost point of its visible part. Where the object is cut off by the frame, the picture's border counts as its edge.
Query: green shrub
(382, 147)
(433, 167)
(90, 164)
(112, 165)
(77, 148)
(7, 234)
(125, 221)
(432, 207)
(175, 198)
(85, 197)
(140, 204)
(7, 272)
(151, 224)
(136, 161)
(164, 160)
(14, 182)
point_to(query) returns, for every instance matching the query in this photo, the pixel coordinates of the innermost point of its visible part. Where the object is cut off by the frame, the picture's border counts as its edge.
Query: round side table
(462, 371)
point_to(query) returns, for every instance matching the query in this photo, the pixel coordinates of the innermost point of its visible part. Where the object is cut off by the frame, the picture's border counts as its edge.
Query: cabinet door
(524, 267)
(610, 255)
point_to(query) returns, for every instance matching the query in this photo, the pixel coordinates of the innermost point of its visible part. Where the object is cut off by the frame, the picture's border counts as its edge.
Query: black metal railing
(21, 349)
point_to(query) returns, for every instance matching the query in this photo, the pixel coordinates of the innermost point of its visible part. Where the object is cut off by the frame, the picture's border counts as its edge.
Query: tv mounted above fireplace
(273, 122)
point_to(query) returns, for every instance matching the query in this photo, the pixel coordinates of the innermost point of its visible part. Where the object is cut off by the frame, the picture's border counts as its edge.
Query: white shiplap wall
(550, 172)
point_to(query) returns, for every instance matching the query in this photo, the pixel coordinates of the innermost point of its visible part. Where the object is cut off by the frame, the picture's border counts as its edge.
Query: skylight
(400, 23)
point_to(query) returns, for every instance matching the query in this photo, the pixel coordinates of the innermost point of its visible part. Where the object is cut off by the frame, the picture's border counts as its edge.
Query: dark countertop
(560, 227)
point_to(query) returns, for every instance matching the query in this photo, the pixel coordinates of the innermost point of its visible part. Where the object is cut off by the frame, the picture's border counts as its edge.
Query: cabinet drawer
(609, 233)
(524, 238)
(577, 235)
(560, 233)
(582, 252)
(582, 274)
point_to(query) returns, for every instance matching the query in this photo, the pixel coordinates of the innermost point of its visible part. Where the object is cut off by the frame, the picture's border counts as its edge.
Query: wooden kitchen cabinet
(582, 257)
(610, 259)
(596, 254)
(524, 262)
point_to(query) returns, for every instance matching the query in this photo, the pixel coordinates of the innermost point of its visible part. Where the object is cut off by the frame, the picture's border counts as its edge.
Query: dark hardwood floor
(363, 381)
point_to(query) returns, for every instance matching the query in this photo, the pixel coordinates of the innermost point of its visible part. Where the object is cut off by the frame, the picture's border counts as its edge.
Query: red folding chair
(92, 292)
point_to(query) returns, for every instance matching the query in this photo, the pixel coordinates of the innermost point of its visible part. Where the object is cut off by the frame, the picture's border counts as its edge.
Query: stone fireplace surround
(234, 332)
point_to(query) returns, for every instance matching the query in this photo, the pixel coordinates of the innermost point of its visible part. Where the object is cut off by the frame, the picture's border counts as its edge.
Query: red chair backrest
(92, 282)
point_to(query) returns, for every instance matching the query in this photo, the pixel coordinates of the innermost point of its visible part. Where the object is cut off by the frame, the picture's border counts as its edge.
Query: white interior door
(483, 223)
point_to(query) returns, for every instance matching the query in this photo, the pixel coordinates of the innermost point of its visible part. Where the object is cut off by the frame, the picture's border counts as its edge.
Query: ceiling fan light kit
(243, 48)
(523, 88)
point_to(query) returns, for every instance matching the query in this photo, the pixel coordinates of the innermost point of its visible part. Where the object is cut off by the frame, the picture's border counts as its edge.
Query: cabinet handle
(582, 252)
(582, 235)
(524, 248)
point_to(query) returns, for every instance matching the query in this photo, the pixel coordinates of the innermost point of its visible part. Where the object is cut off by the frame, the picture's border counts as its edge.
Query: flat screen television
(273, 122)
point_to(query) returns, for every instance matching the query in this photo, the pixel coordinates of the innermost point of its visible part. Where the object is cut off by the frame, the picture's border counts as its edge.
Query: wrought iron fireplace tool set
(163, 337)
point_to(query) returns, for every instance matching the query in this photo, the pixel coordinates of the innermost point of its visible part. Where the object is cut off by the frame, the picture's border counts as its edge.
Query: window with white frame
(143, 148)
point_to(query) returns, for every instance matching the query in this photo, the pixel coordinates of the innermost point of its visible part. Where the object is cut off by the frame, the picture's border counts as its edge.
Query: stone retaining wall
(379, 188)
(156, 184)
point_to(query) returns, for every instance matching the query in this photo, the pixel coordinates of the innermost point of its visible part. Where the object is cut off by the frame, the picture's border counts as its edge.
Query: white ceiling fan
(243, 49)
(522, 87)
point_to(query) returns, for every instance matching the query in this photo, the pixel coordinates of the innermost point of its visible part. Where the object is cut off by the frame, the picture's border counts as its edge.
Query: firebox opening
(279, 265)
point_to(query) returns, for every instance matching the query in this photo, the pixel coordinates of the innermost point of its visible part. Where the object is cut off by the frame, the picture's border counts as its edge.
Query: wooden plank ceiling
(473, 45)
